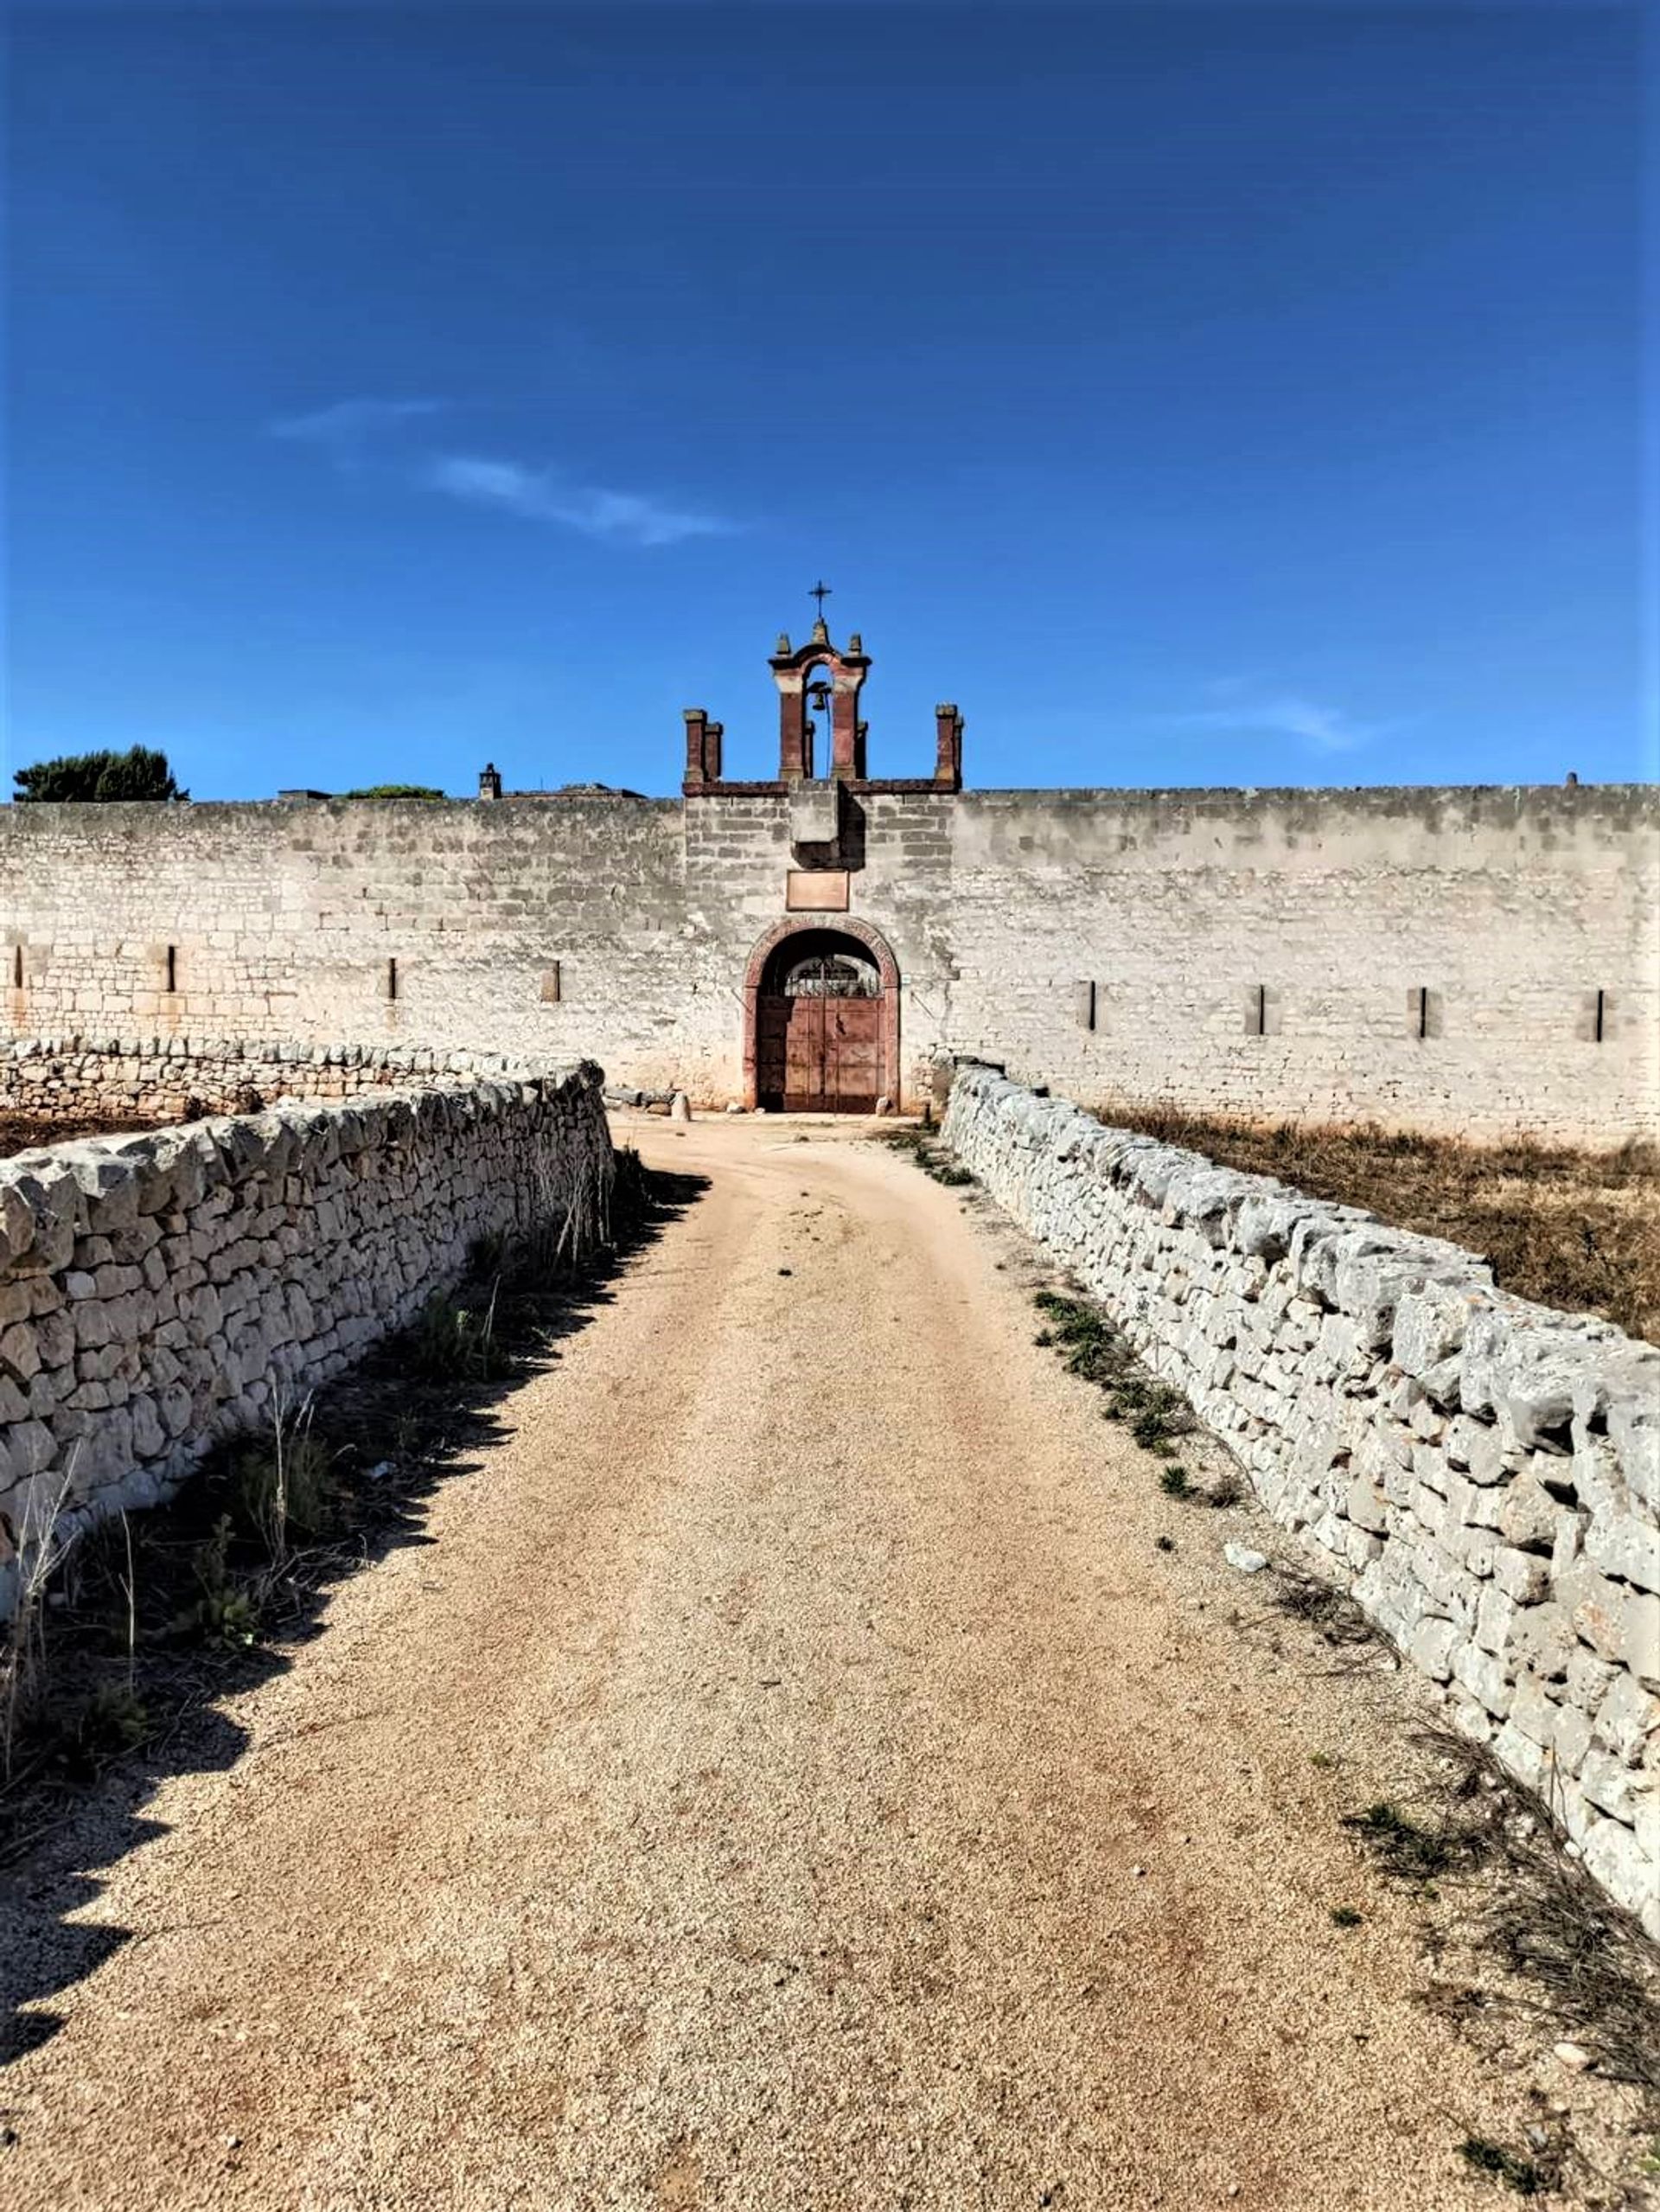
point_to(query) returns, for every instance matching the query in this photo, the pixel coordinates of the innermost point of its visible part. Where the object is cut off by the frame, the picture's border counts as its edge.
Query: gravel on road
(792, 1775)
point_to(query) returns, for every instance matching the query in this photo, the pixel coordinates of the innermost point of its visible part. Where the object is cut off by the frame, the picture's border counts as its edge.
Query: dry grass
(1577, 1229)
(34, 1132)
(1575, 1960)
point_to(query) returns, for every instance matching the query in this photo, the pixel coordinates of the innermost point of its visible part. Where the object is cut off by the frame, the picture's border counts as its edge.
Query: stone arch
(887, 968)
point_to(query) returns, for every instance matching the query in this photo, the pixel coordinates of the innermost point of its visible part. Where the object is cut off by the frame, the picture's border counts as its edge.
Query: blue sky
(1228, 394)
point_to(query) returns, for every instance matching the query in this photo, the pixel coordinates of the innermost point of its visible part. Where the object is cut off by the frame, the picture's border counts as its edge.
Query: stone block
(1628, 1721)
(1571, 1738)
(1541, 1636)
(1588, 1677)
(1533, 1711)
(20, 1355)
(1528, 1760)
(1431, 1646)
(1482, 1676)
(1495, 1618)
(1430, 1322)
(1622, 1545)
(1528, 1515)
(1521, 1575)
(1613, 1857)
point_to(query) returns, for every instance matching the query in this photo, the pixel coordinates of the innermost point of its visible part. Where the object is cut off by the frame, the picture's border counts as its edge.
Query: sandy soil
(791, 1777)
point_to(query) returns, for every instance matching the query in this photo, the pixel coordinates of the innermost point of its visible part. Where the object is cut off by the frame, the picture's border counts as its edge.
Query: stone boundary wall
(1482, 1473)
(1478, 962)
(161, 1291)
(70, 1078)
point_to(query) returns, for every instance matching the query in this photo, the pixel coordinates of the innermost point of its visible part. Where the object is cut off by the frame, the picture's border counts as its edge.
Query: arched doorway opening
(820, 1019)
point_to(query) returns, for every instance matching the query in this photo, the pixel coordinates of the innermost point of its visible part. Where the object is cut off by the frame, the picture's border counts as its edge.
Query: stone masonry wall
(159, 1292)
(160, 1078)
(1482, 1473)
(1474, 962)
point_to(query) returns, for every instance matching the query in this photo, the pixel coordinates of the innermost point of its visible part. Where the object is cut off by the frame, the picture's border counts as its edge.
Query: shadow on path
(395, 1438)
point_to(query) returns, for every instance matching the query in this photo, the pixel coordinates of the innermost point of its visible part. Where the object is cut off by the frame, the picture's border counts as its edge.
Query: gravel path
(791, 1777)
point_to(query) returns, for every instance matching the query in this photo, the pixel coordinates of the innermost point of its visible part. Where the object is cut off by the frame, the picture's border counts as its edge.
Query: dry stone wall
(160, 1292)
(1482, 1473)
(78, 1079)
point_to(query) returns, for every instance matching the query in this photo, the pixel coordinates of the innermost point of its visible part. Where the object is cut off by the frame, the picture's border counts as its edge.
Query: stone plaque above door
(815, 891)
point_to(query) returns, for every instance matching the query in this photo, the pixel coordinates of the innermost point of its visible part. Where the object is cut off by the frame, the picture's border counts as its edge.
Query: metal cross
(821, 592)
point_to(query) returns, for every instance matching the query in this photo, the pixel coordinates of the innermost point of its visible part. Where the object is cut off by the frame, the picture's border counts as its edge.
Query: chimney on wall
(489, 780)
(702, 739)
(948, 756)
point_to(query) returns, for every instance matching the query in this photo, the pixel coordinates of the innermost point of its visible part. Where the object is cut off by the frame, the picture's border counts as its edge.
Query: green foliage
(428, 791)
(87, 1735)
(286, 1486)
(489, 1254)
(1344, 1916)
(1174, 1483)
(1095, 1350)
(227, 1613)
(451, 1342)
(229, 1619)
(138, 773)
(929, 1158)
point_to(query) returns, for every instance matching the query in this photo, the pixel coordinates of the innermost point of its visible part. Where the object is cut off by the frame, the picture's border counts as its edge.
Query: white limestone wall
(160, 1292)
(1482, 1473)
(53, 1079)
(1479, 961)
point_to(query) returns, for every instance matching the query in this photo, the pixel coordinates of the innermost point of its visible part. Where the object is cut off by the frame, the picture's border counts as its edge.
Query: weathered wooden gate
(817, 1055)
(818, 1038)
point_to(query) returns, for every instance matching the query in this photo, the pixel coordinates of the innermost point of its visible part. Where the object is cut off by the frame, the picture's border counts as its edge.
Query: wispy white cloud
(1286, 714)
(344, 430)
(547, 495)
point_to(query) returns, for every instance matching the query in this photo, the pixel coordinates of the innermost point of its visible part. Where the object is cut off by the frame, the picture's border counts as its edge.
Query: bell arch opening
(820, 1019)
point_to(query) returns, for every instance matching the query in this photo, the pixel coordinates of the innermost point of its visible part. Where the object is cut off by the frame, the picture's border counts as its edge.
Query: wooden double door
(818, 1055)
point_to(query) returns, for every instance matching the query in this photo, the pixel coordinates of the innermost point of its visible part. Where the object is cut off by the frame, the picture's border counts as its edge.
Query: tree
(138, 773)
(395, 791)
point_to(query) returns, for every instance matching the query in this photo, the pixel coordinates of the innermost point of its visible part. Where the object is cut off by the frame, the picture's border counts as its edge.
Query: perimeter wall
(1478, 960)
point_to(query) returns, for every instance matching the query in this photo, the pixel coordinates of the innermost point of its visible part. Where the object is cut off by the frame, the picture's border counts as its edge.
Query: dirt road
(792, 1777)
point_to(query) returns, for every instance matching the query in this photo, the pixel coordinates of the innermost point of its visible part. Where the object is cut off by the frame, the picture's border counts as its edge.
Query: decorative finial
(784, 644)
(820, 634)
(820, 591)
(855, 642)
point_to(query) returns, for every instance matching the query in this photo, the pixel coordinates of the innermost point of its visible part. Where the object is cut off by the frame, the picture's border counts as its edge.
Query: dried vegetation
(1574, 1229)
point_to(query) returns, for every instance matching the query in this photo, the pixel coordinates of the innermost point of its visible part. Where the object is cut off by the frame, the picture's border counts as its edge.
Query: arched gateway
(821, 1019)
